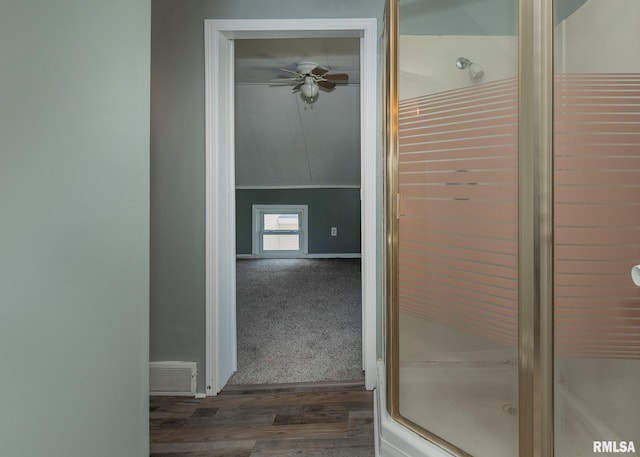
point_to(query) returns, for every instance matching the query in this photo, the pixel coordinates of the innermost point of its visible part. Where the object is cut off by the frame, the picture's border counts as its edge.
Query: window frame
(257, 249)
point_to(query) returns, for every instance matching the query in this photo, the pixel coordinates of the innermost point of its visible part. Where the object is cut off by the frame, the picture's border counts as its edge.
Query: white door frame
(221, 339)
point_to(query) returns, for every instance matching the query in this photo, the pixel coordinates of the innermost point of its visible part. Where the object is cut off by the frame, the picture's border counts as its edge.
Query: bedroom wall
(327, 208)
(74, 228)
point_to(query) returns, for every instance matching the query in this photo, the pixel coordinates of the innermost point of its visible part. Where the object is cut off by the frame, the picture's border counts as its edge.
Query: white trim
(368, 182)
(306, 256)
(210, 271)
(220, 235)
(376, 422)
(292, 28)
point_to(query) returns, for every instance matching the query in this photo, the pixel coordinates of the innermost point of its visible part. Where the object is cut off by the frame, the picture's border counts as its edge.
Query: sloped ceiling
(280, 140)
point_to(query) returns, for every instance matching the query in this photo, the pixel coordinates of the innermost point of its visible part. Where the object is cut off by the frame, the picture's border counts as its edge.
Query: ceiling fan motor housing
(309, 77)
(307, 68)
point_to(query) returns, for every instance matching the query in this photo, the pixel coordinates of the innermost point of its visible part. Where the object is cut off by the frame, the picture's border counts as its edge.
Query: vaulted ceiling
(281, 141)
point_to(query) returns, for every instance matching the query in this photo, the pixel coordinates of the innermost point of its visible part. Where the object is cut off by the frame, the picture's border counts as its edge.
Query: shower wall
(602, 36)
(427, 63)
(458, 170)
(429, 79)
(597, 226)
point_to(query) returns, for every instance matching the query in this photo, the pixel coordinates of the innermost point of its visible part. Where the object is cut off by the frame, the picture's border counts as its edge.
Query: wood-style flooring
(283, 421)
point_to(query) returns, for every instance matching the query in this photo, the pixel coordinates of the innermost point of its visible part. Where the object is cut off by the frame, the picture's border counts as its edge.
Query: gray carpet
(299, 320)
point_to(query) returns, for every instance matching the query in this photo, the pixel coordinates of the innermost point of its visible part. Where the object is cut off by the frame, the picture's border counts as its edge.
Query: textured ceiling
(280, 140)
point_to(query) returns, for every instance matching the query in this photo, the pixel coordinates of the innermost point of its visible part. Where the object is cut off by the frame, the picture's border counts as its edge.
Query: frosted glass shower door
(597, 229)
(458, 224)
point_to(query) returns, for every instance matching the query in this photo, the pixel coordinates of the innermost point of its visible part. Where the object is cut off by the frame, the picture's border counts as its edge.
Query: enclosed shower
(513, 221)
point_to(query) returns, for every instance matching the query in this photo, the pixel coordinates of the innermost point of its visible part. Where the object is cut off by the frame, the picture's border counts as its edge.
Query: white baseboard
(303, 256)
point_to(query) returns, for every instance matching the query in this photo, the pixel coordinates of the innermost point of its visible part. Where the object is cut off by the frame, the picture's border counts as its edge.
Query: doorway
(221, 344)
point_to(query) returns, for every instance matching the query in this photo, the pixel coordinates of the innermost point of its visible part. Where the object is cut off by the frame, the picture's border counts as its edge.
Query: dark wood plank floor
(307, 420)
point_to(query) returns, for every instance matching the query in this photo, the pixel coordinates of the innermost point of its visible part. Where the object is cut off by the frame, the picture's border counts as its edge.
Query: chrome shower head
(476, 72)
(462, 63)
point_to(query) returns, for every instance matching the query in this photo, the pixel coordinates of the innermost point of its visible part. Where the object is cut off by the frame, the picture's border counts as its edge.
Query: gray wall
(326, 208)
(74, 228)
(177, 156)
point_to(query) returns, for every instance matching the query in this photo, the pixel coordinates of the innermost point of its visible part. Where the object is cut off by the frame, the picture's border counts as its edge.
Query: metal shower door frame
(535, 218)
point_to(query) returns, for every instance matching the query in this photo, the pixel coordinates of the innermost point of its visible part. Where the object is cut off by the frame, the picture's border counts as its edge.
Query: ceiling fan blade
(326, 85)
(319, 71)
(299, 75)
(284, 81)
(336, 77)
(298, 86)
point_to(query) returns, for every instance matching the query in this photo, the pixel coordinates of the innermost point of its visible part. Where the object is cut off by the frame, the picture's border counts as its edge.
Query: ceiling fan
(309, 77)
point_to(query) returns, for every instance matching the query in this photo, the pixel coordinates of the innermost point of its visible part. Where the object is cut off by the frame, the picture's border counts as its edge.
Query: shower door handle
(635, 275)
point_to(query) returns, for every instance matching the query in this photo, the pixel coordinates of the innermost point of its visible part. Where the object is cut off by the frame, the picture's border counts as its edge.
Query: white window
(279, 230)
